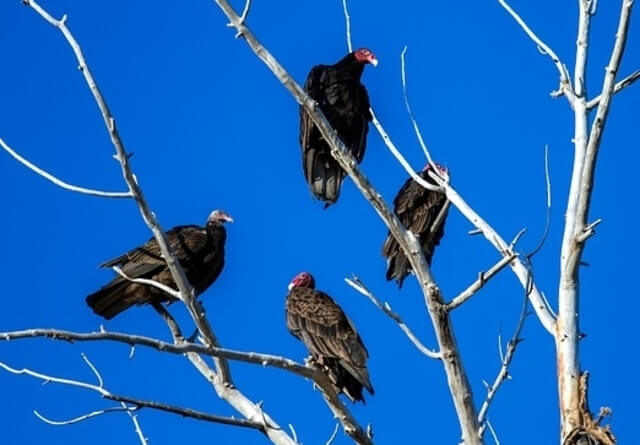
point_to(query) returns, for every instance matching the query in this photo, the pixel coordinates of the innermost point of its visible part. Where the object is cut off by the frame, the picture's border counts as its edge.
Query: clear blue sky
(212, 128)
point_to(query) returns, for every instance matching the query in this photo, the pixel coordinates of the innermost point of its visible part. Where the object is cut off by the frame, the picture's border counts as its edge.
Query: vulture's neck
(350, 66)
(217, 232)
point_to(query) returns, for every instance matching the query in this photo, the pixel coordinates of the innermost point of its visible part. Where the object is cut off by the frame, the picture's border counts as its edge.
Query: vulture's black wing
(417, 208)
(192, 246)
(345, 103)
(322, 172)
(314, 318)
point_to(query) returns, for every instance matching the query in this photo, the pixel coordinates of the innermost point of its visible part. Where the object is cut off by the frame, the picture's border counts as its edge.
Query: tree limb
(483, 278)
(538, 302)
(181, 347)
(138, 403)
(358, 285)
(565, 80)
(59, 182)
(619, 86)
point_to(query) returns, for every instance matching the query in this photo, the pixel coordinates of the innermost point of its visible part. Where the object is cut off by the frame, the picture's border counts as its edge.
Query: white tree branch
(138, 403)
(565, 80)
(59, 182)
(347, 21)
(483, 278)
(177, 273)
(538, 302)
(396, 153)
(359, 286)
(254, 410)
(179, 348)
(619, 86)
(576, 229)
(249, 409)
(153, 283)
(136, 423)
(493, 433)
(460, 388)
(416, 128)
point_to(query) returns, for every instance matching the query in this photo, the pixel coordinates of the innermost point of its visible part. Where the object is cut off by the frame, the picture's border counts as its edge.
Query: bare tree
(578, 424)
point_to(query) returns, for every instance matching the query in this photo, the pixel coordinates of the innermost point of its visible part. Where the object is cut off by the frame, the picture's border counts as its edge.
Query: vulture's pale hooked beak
(374, 62)
(290, 286)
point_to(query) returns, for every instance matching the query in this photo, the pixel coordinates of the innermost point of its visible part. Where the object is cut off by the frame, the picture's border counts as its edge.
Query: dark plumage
(200, 251)
(335, 346)
(417, 208)
(345, 103)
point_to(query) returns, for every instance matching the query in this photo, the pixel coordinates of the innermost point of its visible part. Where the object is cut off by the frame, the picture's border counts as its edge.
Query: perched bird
(417, 208)
(345, 103)
(200, 251)
(335, 346)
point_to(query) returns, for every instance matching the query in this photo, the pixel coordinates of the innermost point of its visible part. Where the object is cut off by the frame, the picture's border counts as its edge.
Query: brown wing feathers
(335, 346)
(417, 208)
(200, 251)
(345, 103)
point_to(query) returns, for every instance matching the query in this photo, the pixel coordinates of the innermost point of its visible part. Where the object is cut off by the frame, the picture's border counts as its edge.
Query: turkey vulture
(345, 103)
(335, 346)
(200, 251)
(417, 208)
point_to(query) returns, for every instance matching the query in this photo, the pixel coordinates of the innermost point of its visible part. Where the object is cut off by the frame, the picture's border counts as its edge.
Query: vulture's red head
(364, 56)
(303, 279)
(219, 216)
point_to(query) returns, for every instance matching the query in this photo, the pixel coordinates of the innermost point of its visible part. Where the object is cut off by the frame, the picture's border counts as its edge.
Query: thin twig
(493, 433)
(547, 223)
(505, 361)
(358, 285)
(619, 86)
(60, 182)
(136, 423)
(93, 369)
(565, 79)
(245, 11)
(483, 278)
(153, 283)
(293, 432)
(84, 416)
(416, 128)
(347, 21)
(333, 435)
(396, 153)
(140, 403)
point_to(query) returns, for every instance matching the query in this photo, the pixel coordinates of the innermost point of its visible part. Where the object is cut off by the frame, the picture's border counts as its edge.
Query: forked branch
(136, 402)
(565, 80)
